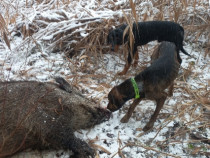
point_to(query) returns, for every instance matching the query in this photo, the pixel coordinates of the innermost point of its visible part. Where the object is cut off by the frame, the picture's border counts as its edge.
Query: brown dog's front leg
(130, 111)
(159, 106)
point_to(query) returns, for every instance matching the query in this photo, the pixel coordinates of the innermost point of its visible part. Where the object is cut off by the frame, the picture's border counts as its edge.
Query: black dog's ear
(111, 36)
(108, 40)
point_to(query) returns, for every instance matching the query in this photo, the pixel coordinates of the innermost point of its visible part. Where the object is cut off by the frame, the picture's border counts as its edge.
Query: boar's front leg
(80, 148)
(66, 139)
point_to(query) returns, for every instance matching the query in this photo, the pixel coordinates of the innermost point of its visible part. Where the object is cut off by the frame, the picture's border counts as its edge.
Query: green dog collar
(136, 89)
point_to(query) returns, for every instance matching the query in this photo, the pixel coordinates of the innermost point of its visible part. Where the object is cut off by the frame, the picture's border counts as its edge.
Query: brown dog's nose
(112, 107)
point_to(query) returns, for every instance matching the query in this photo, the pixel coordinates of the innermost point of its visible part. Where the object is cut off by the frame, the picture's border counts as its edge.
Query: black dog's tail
(181, 45)
(184, 51)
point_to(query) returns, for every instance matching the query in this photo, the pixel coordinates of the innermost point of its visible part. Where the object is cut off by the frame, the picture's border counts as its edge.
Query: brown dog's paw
(124, 119)
(148, 127)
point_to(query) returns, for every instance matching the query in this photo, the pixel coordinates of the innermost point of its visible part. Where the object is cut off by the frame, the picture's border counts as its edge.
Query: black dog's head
(115, 100)
(115, 38)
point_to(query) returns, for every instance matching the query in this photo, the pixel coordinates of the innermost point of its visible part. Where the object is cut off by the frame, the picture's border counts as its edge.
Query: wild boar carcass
(44, 115)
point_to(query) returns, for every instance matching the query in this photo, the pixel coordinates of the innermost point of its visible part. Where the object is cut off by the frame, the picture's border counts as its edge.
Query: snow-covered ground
(183, 114)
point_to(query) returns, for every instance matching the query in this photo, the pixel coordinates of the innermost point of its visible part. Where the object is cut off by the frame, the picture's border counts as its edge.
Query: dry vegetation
(82, 37)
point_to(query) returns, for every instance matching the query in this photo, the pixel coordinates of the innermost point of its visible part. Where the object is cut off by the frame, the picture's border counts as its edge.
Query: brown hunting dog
(150, 83)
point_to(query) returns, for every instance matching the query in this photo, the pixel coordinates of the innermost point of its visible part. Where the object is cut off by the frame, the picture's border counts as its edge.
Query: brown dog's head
(115, 100)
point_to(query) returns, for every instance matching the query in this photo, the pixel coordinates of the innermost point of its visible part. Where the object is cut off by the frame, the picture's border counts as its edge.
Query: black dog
(149, 84)
(145, 32)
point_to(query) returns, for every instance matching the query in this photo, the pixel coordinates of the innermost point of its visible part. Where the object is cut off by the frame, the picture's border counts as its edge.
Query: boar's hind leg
(65, 139)
(64, 84)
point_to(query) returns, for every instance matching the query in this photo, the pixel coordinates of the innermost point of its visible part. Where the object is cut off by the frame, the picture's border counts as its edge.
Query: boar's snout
(104, 113)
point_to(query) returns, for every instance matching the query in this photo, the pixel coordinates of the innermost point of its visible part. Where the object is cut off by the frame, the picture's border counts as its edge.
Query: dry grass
(4, 31)
(196, 23)
(85, 39)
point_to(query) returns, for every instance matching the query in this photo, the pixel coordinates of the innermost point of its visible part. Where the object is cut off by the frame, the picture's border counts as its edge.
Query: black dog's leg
(127, 66)
(136, 59)
(129, 60)
(130, 111)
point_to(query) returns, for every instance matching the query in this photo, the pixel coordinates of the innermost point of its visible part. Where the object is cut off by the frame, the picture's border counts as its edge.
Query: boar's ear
(63, 84)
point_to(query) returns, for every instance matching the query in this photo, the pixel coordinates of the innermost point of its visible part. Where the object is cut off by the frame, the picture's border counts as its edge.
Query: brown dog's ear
(115, 100)
(115, 92)
(114, 96)
(118, 95)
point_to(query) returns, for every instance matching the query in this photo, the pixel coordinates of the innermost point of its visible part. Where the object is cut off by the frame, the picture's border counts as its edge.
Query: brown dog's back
(163, 70)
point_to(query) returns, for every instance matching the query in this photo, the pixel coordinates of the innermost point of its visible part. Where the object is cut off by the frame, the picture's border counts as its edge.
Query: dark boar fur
(44, 116)
(151, 83)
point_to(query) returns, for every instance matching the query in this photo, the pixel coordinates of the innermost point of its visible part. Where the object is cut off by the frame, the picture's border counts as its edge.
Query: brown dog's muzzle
(112, 107)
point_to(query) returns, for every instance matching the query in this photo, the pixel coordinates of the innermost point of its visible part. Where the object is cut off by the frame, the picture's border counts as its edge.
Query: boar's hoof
(84, 152)
(80, 148)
